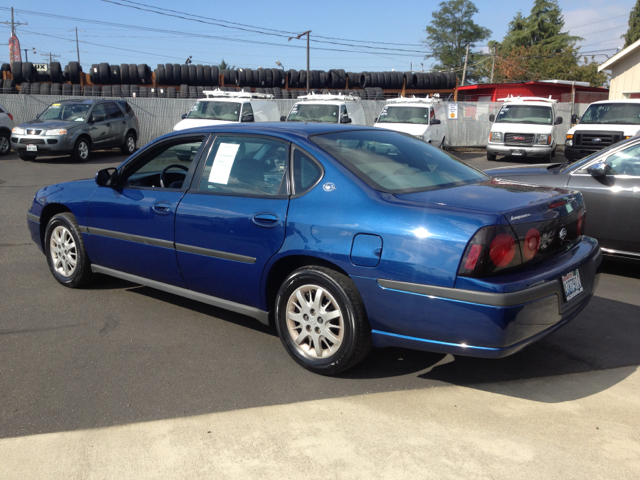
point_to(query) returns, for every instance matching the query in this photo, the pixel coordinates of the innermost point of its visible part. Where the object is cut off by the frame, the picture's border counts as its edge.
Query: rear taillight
(580, 222)
(531, 244)
(491, 250)
(10, 116)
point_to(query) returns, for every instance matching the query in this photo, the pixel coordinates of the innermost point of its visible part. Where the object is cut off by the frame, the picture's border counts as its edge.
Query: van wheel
(490, 156)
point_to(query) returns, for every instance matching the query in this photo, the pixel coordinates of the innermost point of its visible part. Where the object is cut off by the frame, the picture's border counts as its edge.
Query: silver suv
(76, 127)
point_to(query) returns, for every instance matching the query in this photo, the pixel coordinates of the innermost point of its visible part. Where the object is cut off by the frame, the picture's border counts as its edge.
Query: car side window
(99, 113)
(306, 172)
(625, 162)
(113, 111)
(245, 166)
(167, 166)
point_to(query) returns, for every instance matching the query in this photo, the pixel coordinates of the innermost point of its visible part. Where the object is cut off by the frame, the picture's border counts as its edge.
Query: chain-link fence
(158, 116)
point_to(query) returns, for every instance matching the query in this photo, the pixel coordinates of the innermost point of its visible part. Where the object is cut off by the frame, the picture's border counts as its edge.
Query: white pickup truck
(603, 124)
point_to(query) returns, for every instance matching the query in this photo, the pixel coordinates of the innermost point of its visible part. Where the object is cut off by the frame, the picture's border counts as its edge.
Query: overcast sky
(349, 28)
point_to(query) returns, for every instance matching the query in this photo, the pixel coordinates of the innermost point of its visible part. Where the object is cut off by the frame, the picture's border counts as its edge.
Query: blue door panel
(140, 218)
(238, 234)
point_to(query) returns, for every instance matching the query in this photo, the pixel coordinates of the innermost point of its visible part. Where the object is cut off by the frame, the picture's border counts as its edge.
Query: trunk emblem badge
(546, 239)
(563, 234)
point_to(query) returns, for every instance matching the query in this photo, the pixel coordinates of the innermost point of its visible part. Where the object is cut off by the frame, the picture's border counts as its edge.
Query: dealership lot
(117, 354)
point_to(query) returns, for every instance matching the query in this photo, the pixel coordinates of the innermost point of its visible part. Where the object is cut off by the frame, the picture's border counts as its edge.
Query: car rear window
(395, 163)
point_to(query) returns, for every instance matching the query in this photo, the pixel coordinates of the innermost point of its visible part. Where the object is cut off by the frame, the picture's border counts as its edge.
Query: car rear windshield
(229, 111)
(69, 112)
(395, 163)
(612, 113)
(524, 114)
(314, 113)
(404, 115)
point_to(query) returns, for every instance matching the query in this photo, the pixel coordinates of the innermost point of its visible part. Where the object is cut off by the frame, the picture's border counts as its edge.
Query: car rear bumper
(477, 323)
(527, 150)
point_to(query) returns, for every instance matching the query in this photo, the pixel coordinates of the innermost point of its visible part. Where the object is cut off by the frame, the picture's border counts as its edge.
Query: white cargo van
(603, 124)
(524, 127)
(230, 107)
(420, 117)
(327, 109)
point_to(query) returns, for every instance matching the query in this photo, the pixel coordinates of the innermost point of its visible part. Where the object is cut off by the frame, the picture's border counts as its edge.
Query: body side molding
(260, 315)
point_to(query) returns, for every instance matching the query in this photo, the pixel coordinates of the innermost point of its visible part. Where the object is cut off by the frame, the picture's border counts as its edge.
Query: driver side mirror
(183, 116)
(435, 121)
(283, 118)
(599, 169)
(345, 120)
(559, 121)
(375, 120)
(107, 177)
(492, 118)
(247, 118)
(574, 118)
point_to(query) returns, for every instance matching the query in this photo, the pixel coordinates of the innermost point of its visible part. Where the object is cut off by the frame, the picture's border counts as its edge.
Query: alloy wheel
(63, 251)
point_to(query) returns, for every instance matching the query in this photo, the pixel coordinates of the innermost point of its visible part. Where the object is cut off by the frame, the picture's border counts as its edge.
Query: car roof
(622, 100)
(281, 129)
(87, 102)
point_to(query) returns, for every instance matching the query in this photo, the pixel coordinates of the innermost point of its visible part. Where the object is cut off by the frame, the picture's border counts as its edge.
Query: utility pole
(464, 70)
(26, 54)
(78, 47)
(297, 38)
(493, 62)
(13, 24)
(51, 57)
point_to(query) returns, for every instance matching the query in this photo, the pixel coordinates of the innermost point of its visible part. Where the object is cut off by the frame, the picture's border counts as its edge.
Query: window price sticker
(221, 168)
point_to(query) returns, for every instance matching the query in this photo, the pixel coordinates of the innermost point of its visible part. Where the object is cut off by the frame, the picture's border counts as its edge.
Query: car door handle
(162, 208)
(265, 219)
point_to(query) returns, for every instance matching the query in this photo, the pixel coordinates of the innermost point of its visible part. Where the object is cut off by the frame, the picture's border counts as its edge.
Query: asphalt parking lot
(117, 355)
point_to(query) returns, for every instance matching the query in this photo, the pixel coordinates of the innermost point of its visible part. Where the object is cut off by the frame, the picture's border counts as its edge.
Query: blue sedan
(346, 238)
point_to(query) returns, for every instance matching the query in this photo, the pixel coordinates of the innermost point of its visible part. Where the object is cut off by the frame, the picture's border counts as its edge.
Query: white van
(603, 124)
(524, 127)
(230, 107)
(420, 117)
(327, 109)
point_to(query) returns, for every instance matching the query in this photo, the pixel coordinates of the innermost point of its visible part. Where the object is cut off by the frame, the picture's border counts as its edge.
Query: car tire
(45, 89)
(56, 89)
(106, 91)
(81, 150)
(199, 75)
(26, 157)
(76, 90)
(491, 157)
(347, 332)
(5, 144)
(56, 72)
(129, 145)
(74, 72)
(66, 254)
(125, 79)
(25, 88)
(67, 88)
(104, 73)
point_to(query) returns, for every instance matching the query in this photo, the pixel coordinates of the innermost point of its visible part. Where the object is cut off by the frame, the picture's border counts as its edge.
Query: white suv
(524, 127)
(420, 117)
(6, 125)
(327, 109)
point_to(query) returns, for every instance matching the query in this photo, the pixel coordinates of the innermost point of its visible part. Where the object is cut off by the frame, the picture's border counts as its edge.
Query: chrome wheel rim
(83, 150)
(4, 144)
(63, 251)
(131, 144)
(314, 321)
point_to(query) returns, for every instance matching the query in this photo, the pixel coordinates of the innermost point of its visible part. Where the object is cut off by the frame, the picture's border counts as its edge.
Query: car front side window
(625, 162)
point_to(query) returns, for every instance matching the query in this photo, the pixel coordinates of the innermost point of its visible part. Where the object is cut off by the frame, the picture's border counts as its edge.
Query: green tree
(449, 33)
(633, 34)
(225, 66)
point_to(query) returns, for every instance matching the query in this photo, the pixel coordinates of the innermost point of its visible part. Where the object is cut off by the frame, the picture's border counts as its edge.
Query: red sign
(14, 49)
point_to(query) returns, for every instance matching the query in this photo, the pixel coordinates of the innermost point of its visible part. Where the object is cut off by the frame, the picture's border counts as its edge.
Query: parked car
(6, 125)
(76, 127)
(230, 107)
(602, 125)
(327, 108)
(345, 237)
(420, 117)
(524, 127)
(610, 183)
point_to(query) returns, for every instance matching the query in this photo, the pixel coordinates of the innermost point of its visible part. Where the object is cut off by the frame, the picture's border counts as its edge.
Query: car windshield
(69, 112)
(305, 112)
(207, 110)
(612, 113)
(404, 115)
(395, 163)
(533, 114)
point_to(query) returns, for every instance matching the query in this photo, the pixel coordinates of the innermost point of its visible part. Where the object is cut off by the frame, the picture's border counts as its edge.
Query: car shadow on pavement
(104, 157)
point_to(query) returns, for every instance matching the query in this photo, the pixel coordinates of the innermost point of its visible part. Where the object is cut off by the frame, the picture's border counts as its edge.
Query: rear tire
(129, 145)
(5, 144)
(328, 345)
(66, 255)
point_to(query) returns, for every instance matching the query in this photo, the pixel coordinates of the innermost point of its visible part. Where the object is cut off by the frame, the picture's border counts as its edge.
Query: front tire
(81, 150)
(129, 145)
(490, 156)
(321, 320)
(65, 251)
(5, 144)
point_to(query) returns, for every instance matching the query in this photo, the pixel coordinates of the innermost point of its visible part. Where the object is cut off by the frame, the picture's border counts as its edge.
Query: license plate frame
(517, 152)
(572, 285)
(32, 148)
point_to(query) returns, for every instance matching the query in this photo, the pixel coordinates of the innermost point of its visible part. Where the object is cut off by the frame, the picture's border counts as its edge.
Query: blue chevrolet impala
(345, 237)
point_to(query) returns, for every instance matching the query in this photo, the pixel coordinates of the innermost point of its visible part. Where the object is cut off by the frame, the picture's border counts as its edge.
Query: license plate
(32, 148)
(517, 152)
(572, 284)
